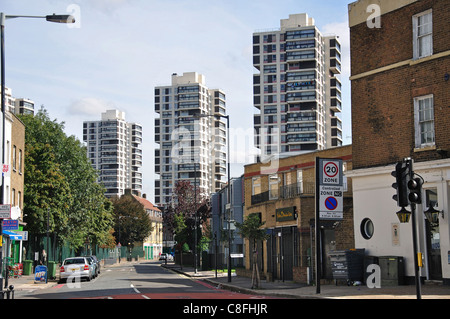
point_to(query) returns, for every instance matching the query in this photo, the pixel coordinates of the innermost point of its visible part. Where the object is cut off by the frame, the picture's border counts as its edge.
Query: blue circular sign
(331, 203)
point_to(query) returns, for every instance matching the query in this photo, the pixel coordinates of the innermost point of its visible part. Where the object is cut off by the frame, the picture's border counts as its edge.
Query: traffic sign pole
(329, 201)
(318, 261)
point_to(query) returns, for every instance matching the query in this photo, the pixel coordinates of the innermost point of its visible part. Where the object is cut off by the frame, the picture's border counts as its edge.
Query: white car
(76, 267)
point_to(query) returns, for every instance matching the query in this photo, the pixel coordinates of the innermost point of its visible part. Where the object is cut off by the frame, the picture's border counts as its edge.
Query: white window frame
(417, 54)
(418, 121)
(274, 186)
(256, 184)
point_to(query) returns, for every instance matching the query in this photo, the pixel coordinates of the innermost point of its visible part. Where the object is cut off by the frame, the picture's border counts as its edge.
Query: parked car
(165, 256)
(96, 264)
(76, 267)
(93, 265)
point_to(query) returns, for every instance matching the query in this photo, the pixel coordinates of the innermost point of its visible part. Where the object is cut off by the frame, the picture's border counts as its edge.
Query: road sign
(24, 234)
(331, 202)
(330, 188)
(5, 211)
(330, 172)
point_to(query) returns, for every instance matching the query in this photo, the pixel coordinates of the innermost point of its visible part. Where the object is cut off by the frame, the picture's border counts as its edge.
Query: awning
(12, 235)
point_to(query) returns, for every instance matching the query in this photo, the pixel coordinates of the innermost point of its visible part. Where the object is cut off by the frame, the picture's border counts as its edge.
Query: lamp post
(3, 18)
(229, 186)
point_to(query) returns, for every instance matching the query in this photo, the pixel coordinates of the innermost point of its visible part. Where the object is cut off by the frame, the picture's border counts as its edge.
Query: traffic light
(415, 190)
(402, 177)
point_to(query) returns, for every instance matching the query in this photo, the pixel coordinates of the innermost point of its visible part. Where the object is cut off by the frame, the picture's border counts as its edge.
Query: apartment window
(14, 158)
(423, 34)
(424, 121)
(273, 186)
(20, 161)
(300, 180)
(256, 185)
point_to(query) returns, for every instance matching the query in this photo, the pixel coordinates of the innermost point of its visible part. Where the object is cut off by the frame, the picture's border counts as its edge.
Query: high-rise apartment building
(191, 134)
(113, 147)
(18, 105)
(297, 89)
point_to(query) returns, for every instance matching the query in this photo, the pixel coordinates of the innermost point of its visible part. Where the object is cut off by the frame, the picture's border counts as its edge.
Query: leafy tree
(60, 180)
(46, 189)
(132, 221)
(181, 217)
(251, 229)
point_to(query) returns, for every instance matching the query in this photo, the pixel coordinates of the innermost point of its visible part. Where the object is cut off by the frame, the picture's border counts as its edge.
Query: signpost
(329, 201)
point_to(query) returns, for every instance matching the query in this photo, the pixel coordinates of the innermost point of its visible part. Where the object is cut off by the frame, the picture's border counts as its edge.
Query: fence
(35, 246)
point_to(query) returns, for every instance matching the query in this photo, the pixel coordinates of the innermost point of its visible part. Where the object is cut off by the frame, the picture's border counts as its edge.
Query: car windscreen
(74, 261)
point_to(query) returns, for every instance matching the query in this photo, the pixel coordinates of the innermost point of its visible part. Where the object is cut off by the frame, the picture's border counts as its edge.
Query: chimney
(144, 196)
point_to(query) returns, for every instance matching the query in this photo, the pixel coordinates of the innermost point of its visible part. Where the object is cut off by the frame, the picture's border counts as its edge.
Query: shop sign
(10, 224)
(286, 214)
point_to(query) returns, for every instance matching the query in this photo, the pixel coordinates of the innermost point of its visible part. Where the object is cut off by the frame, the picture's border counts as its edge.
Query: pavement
(289, 289)
(280, 289)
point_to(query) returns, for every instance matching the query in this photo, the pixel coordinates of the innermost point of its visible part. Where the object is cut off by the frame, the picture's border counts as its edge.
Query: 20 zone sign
(331, 173)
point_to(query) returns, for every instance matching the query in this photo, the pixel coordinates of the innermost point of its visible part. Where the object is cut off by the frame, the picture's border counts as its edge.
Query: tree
(181, 217)
(60, 181)
(132, 221)
(251, 229)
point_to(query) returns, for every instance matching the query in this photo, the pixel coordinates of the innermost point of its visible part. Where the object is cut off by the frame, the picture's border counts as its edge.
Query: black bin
(347, 264)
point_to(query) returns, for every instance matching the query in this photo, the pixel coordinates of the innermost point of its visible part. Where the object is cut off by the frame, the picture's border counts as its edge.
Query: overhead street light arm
(57, 18)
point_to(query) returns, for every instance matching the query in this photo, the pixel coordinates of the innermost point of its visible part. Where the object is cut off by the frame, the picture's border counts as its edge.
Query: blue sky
(119, 50)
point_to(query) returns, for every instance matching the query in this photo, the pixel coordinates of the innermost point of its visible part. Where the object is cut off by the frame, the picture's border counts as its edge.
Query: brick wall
(304, 202)
(17, 177)
(382, 103)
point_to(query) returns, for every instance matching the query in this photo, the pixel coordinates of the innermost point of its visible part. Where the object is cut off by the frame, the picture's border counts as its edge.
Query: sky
(118, 51)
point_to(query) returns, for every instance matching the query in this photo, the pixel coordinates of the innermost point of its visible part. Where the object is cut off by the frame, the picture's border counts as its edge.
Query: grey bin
(392, 270)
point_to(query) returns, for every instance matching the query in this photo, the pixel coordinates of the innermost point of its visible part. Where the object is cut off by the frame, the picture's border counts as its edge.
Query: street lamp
(3, 18)
(229, 186)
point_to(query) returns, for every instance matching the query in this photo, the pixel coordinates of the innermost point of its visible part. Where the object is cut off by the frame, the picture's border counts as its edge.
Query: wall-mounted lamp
(432, 214)
(404, 215)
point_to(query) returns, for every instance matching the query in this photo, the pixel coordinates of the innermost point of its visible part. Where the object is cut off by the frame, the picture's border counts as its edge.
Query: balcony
(285, 192)
(335, 66)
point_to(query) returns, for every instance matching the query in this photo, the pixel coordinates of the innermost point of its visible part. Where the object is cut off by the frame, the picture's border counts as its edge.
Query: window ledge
(425, 149)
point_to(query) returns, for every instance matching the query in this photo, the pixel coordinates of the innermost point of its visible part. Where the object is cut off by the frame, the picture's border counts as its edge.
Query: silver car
(76, 267)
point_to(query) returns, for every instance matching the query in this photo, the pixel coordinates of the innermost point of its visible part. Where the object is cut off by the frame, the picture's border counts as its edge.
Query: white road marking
(135, 290)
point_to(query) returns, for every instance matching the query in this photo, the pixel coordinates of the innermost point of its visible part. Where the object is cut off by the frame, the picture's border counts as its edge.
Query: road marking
(146, 297)
(135, 289)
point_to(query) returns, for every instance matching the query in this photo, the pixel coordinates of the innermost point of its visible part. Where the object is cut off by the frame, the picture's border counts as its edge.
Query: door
(434, 251)
(433, 239)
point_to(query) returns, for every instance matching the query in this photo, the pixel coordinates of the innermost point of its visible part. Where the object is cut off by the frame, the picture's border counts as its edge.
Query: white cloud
(89, 106)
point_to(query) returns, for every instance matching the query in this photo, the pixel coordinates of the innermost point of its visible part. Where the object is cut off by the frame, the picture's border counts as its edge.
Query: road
(147, 280)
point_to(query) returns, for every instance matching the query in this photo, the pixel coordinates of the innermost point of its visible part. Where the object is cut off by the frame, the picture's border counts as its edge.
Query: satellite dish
(15, 212)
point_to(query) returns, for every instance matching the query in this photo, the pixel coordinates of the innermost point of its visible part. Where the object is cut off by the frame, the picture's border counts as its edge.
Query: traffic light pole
(416, 252)
(414, 233)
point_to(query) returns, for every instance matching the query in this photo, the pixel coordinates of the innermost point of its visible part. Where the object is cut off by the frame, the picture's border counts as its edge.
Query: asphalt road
(147, 280)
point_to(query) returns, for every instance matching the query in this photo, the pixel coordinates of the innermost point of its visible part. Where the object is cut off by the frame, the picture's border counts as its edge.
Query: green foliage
(131, 219)
(251, 228)
(60, 181)
(181, 217)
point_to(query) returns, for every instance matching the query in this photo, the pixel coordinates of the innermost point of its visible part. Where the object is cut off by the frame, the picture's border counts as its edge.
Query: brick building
(288, 184)
(400, 69)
